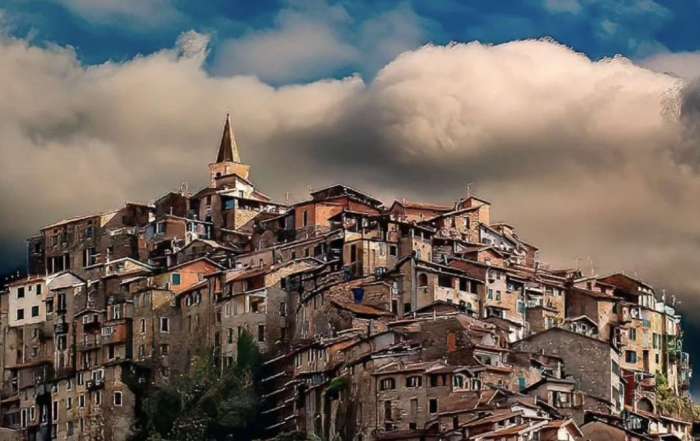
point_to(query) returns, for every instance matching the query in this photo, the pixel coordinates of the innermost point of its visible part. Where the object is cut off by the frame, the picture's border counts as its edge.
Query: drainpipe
(414, 289)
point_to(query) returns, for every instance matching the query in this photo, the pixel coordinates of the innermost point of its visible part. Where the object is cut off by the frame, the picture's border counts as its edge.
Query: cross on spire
(228, 150)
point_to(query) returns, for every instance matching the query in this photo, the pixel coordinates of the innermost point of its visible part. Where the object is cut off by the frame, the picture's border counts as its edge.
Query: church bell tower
(228, 160)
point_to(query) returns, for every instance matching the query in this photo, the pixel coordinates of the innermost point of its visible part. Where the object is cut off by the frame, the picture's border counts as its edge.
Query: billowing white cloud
(589, 159)
(314, 38)
(683, 64)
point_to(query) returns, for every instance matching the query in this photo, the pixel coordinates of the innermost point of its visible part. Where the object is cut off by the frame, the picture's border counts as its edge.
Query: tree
(206, 403)
(670, 404)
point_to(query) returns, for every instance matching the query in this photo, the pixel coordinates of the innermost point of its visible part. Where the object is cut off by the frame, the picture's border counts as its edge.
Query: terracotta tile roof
(359, 308)
(422, 206)
(514, 430)
(494, 418)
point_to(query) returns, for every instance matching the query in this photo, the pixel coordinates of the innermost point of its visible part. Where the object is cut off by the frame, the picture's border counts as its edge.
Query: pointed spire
(228, 150)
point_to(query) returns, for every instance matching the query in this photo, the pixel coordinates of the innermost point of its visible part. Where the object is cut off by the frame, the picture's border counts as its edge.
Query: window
(490, 293)
(458, 382)
(175, 278)
(35, 311)
(69, 403)
(630, 356)
(20, 314)
(463, 285)
(414, 381)
(633, 334)
(387, 384)
(143, 326)
(433, 405)
(229, 338)
(38, 289)
(393, 250)
(306, 218)
(473, 288)
(164, 349)
(117, 399)
(164, 324)
(283, 309)
(387, 410)
(98, 397)
(422, 280)
(110, 352)
(81, 400)
(20, 292)
(445, 281)
(261, 333)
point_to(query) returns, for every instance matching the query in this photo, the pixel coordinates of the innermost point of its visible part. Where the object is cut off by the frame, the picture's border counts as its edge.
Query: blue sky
(318, 39)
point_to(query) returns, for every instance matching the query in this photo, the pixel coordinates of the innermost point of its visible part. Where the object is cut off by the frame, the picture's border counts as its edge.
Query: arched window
(646, 405)
(422, 280)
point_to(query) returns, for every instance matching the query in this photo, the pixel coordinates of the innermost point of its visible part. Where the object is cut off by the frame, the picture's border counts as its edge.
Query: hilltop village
(399, 321)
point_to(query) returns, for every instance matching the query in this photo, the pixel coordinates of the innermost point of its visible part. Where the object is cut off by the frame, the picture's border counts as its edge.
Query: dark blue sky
(118, 30)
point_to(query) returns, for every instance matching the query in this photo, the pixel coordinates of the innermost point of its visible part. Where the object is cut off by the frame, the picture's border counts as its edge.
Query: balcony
(61, 328)
(91, 323)
(88, 345)
(119, 334)
(94, 384)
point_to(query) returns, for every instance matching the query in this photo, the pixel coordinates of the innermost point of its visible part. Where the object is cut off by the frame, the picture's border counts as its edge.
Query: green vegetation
(670, 404)
(206, 404)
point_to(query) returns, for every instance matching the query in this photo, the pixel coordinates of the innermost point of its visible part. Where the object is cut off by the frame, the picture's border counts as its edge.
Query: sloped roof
(228, 149)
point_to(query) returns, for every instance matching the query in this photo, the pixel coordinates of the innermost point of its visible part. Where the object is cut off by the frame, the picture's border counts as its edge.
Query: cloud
(557, 6)
(129, 13)
(310, 39)
(593, 161)
(628, 26)
(683, 64)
